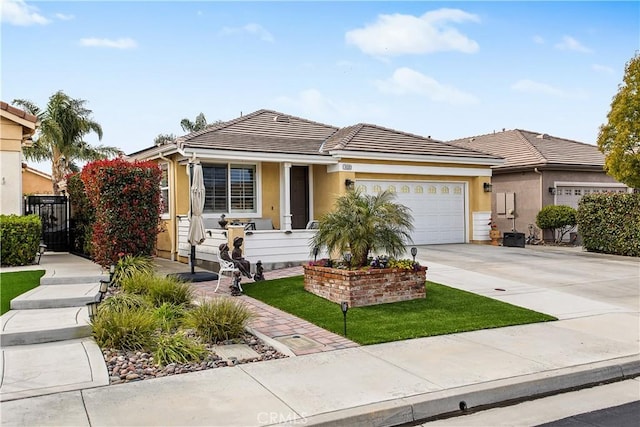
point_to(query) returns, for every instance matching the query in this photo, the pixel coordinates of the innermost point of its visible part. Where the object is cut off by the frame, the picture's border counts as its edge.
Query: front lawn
(445, 310)
(17, 283)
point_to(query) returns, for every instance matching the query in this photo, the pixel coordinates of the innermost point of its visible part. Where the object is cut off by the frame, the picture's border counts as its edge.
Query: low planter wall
(365, 287)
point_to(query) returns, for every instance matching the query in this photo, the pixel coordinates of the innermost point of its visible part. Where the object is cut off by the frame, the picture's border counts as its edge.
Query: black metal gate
(54, 214)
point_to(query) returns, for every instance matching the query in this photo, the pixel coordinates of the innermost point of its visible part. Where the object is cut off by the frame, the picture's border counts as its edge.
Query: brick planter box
(365, 287)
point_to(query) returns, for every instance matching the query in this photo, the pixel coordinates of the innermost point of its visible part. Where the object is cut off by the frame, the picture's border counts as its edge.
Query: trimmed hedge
(610, 223)
(126, 199)
(19, 239)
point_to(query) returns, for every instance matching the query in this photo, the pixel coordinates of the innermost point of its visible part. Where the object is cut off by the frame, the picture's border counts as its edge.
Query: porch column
(286, 217)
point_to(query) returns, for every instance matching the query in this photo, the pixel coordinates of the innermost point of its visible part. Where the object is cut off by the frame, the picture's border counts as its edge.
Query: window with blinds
(229, 188)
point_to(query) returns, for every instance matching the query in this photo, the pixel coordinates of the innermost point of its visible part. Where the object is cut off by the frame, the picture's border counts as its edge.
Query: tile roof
(263, 130)
(373, 138)
(269, 131)
(523, 148)
(18, 112)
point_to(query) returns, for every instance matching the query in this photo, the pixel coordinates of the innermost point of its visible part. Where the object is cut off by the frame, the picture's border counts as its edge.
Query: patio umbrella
(196, 224)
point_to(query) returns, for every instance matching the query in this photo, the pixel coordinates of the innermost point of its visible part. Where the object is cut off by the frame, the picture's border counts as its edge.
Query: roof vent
(543, 136)
(281, 119)
(471, 139)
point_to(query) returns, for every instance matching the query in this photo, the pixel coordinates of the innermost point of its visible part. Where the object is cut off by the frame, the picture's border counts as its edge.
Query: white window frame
(164, 166)
(257, 212)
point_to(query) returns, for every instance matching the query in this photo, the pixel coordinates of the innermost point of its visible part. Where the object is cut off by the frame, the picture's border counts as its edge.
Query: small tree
(362, 223)
(619, 138)
(560, 219)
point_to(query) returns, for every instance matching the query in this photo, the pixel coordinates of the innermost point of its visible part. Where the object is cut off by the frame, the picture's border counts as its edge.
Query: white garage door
(571, 195)
(437, 208)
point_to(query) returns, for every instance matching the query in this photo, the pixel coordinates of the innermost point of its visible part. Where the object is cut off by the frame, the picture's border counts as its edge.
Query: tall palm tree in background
(362, 223)
(200, 123)
(63, 125)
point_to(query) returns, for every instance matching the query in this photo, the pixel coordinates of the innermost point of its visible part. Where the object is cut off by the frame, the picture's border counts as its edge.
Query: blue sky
(444, 69)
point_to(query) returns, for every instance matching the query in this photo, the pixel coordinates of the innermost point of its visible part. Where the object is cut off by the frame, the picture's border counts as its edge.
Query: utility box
(513, 239)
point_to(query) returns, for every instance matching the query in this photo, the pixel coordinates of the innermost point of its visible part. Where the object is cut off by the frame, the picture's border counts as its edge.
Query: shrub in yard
(19, 239)
(169, 316)
(138, 283)
(130, 265)
(177, 348)
(560, 219)
(169, 290)
(362, 223)
(123, 302)
(610, 223)
(128, 329)
(220, 319)
(126, 199)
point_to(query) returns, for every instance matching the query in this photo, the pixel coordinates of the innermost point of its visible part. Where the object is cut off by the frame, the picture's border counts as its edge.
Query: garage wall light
(552, 190)
(487, 187)
(349, 183)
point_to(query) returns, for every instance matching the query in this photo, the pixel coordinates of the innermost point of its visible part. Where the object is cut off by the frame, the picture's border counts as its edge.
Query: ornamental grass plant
(218, 320)
(127, 329)
(177, 348)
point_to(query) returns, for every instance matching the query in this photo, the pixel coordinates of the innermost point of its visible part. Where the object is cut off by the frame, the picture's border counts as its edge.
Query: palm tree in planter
(362, 223)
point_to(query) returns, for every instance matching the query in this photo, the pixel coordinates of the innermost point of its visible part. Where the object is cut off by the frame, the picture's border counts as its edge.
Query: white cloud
(18, 12)
(314, 104)
(406, 81)
(569, 43)
(253, 29)
(121, 43)
(538, 39)
(602, 69)
(399, 34)
(538, 88)
(64, 17)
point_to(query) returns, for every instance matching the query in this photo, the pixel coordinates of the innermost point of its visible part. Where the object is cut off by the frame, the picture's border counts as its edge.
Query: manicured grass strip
(17, 283)
(445, 310)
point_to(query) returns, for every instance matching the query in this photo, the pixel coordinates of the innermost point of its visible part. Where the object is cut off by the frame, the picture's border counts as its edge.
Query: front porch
(275, 248)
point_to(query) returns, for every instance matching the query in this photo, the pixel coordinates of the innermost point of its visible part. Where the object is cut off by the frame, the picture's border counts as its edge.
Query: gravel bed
(132, 366)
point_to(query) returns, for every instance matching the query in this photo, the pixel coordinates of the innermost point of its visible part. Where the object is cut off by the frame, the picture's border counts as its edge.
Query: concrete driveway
(608, 279)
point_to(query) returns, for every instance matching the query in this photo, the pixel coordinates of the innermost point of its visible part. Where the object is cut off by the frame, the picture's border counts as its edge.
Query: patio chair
(226, 267)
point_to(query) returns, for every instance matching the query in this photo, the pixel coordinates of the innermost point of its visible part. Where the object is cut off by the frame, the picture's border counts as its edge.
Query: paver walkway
(300, 336)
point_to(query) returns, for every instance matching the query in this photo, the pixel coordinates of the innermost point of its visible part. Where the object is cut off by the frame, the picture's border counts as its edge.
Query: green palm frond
(362, 223)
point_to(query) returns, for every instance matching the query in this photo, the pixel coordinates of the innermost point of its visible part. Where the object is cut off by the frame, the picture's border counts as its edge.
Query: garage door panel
(437, 208)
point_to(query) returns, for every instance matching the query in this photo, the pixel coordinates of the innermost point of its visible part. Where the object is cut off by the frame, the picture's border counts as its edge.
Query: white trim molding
(417, 158)
(588, 184)
(408, 169)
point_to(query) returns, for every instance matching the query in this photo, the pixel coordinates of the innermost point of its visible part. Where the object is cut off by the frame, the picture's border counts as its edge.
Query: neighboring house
(539, 170)
(35, 182)
(16, 130)
(277, 173)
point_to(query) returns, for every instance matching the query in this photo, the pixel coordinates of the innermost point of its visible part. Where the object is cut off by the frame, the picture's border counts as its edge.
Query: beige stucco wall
(526, 186)
(33, 183)
(327, 187)
(11, 134)
(271, 192)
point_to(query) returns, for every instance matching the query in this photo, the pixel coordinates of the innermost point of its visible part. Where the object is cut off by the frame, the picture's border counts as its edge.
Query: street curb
(428, 406)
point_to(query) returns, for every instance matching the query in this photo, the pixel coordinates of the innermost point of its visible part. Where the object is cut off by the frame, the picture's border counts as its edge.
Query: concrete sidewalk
(394, 383)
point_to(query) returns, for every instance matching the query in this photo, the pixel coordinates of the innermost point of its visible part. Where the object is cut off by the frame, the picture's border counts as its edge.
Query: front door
(299, 197)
